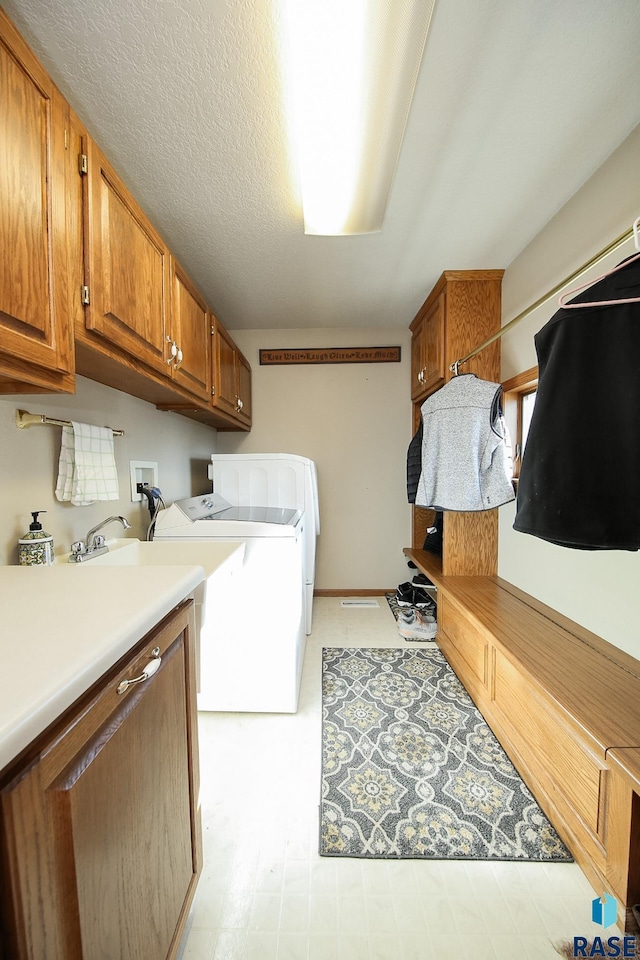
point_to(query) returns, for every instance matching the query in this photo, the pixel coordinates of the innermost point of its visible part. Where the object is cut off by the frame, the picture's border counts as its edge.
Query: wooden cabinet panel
(553, 750)
(232, 377)
(124, 802)
(225, 395)
(623, 827)
(190, 329)
(427, 350)
(126, 268)
(471, 547)
(434, 335)
(102, 832)
(244, 387)
(469, 642)
(417, 359)
(35, 339)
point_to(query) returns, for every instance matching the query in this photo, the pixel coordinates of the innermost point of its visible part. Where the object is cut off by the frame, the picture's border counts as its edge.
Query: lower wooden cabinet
(555, 752)
(550, 748)
(101, 842)
(468, 644)
(561, 702)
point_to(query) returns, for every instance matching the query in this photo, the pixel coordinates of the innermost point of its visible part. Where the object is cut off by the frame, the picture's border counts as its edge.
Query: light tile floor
(266, 894)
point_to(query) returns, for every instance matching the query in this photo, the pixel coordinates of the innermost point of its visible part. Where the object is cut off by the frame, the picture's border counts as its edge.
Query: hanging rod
(24, 419)
(623, 238)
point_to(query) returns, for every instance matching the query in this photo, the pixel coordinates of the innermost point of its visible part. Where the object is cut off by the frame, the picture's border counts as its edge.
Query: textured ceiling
(518, 103)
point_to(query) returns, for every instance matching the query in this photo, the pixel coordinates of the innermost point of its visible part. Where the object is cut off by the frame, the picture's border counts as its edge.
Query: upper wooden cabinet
(427, 349)
(87, 283)
(244, 388)
(36, 346)
(232, 377)
(462, 310)
(189, 330)
(126, 268)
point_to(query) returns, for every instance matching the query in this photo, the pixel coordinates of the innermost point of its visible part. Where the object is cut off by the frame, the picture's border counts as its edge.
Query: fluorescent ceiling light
(352, 69)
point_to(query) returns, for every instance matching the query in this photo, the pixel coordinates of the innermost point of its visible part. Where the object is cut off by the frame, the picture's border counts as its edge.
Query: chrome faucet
(95, 543)
(91, 536)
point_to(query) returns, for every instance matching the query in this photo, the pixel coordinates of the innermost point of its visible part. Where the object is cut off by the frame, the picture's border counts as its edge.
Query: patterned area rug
(410, 769)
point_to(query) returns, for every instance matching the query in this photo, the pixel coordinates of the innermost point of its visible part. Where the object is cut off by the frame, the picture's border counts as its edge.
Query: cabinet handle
(178, 358)
(152, 667)
(173, 351)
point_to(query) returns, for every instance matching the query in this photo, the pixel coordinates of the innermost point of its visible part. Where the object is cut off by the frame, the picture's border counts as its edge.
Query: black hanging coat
(580, 476)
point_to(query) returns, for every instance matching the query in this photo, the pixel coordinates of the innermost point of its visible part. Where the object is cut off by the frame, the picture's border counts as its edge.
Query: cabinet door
(225, 397)
(427, 350)
(35, 335)
(103, 830)
(190, 329)
(243, 368)
(418, 362)
(126, 268)
(433, 345)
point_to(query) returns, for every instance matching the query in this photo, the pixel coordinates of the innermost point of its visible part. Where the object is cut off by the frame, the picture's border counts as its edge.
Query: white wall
(29, 462)
(354, 421)
(598, 589)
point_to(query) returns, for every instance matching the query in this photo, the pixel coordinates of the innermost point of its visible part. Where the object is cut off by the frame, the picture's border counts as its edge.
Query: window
(527, 403)
(519, 397)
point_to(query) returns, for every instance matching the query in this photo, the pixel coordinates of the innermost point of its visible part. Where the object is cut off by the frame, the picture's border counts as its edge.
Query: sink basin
(221, 562)
(129, 552)
(213, 556)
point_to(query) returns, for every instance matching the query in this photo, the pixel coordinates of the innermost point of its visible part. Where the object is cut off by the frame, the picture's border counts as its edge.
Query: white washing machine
(253, 637)
(274, 480)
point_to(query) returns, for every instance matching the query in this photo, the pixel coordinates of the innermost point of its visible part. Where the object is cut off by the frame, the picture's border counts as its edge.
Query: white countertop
(64, 626)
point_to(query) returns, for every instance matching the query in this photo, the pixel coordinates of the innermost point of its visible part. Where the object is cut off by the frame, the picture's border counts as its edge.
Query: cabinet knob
(152, 667)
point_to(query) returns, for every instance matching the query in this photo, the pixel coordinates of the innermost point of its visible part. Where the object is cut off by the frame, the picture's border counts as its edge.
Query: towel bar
(24, 419)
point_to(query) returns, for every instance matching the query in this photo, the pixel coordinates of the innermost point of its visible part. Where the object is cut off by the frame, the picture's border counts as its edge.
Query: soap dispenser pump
(35, 549)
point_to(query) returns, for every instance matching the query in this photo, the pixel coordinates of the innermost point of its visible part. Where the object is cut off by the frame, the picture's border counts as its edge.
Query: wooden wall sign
(332, 355)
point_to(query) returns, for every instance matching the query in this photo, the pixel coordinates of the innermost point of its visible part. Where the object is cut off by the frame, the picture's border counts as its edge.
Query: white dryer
(274, 480)
(252, 640)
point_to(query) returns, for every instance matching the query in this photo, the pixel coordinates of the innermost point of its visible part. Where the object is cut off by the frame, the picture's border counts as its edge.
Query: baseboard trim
(354, 593)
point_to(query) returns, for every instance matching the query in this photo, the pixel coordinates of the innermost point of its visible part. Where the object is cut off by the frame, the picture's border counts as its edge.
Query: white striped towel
(87, 466)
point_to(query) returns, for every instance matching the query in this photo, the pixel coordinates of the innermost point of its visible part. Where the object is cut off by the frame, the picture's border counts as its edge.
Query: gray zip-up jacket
(466, 453)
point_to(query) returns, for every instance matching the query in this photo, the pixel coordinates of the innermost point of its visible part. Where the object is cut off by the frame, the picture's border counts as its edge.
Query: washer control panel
(200, 508)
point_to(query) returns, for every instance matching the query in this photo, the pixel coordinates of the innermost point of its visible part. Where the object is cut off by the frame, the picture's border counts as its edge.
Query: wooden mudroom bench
(565, 705)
